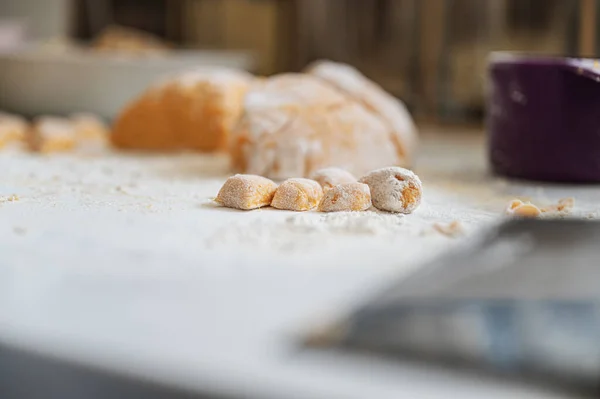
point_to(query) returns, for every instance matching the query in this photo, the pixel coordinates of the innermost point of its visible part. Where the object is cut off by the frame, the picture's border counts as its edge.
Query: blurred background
(431, 53)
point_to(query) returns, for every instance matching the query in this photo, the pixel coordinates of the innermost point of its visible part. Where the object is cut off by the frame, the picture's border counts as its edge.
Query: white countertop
(123, 262)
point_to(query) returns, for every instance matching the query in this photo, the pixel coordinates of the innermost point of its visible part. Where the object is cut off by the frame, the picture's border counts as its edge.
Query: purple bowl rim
(586, 67)
(515, 57)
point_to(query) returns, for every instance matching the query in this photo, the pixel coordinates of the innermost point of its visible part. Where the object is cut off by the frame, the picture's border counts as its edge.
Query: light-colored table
(121, 262)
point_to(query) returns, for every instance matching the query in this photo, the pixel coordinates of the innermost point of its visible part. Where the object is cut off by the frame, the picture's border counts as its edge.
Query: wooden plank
(432, 28)
(202, 26)
(587, 27)
(252, 25)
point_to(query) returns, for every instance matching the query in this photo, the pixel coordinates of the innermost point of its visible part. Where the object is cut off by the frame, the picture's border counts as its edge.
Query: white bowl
(34, 82)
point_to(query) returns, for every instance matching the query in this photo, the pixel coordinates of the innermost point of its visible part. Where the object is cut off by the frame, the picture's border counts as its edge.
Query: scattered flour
(307, 230)
(372, 223)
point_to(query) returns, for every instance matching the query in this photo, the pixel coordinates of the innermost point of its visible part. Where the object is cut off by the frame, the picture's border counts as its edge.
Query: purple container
(544, 118)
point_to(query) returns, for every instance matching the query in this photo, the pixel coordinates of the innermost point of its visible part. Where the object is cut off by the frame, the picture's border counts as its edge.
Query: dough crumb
(564, 205)
(246, 192)
(297, 194)
(394, 189)
(346, 197)
(452, 230)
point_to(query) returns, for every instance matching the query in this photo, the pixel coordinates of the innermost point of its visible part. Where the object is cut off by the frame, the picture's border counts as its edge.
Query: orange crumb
(452, 229)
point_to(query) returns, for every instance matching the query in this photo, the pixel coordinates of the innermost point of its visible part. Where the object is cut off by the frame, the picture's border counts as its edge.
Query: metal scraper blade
(523, 302)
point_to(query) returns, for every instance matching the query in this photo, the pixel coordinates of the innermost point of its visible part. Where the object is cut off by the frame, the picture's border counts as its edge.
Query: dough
(194, 110)
(295, 124)
(392, 111)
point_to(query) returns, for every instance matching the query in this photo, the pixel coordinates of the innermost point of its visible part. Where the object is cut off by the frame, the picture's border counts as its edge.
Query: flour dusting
(307, 230)
(371, 223)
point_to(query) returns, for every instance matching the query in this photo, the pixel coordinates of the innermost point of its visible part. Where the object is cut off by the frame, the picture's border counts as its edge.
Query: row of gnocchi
(391, 189)
(47, 134)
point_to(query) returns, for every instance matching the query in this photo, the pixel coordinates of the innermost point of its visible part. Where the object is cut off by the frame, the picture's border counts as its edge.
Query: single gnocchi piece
(331, 177)
(12, 129)
(52, 134)
(246, 192)
(297, 194)
(89, 127)
(346, 197)
(394, 189)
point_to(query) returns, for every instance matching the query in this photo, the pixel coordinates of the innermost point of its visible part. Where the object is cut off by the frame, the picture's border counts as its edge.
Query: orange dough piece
(297, 194)
(346, 197)
(195, 110)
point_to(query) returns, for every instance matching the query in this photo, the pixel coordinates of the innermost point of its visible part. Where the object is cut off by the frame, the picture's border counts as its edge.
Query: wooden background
(431, 53)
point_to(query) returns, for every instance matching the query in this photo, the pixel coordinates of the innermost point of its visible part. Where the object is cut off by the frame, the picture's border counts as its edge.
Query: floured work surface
(123, 261)
(154, 207)
(75, 208)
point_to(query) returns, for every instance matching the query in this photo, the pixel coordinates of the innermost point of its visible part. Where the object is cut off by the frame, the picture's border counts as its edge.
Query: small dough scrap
(563, 206)
(394, 189)
(452, 230)
(52, 134)
(331, 177)
(246, 192)
(13, 129)
(297, 194)
(523, 209)
(346, 197)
